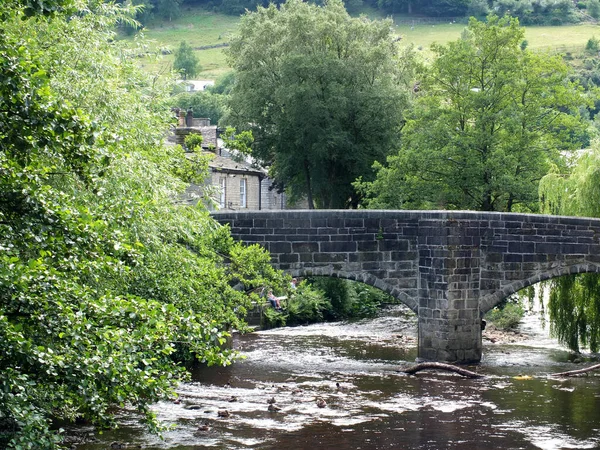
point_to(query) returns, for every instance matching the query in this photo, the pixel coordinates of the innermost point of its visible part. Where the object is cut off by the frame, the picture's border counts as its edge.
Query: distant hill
(209, 33)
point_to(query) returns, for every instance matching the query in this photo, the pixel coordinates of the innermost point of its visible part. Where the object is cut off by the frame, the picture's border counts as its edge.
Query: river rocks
(193, 407)
(496, 336)
(204, 427)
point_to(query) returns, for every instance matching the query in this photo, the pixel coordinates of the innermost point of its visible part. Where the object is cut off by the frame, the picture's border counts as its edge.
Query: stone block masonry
(449, 267)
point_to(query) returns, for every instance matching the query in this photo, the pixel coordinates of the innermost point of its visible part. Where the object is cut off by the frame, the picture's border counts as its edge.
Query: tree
(168, 9)
(105, 283)
(203, 104)
(434, 8)
(489, 119)
(574, 303)
(186, 62)
(593, 8)
(322, 93)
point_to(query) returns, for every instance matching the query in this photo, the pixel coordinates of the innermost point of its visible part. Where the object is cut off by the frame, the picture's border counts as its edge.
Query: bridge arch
(491, 300)
(365, 278)
(448, 266)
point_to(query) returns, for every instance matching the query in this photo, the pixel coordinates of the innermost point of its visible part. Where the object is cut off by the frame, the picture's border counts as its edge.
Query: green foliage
(240, 144)
(273, 318)
(506, 316)
(350, 300)
(432, 8)
(203, 104)
(104, 280)
(531, 12)
(194, 141)
(577, 193)
(489, 120)
(592, 45)
(574, 309)
(223, 84)
(186, 62)
(574, 305)
(306, 305)
(324, 298)
(323, 95)
(31, 8)
(593, 8)
(478, 8)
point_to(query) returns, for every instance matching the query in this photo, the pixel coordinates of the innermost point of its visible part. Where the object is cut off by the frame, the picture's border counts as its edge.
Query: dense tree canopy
(105, 283)
(322, 93)
(489, 119)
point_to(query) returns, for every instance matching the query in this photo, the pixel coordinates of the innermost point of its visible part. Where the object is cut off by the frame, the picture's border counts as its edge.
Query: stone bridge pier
(449, 267)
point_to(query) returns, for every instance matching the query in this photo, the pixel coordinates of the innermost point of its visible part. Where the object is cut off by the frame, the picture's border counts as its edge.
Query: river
(375, 406)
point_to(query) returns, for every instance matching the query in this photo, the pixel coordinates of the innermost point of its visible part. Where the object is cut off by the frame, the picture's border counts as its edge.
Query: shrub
(592, 45)
(306, 305)
(507, 316)
(350, 300)
(272, 318)
(194, 141)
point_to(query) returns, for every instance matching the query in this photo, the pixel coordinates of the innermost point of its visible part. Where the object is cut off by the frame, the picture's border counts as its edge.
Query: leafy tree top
(186, 61)
(322, 93)
(489, 118)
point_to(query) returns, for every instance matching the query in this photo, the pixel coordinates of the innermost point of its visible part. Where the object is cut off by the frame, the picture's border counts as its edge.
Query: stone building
(232, 184)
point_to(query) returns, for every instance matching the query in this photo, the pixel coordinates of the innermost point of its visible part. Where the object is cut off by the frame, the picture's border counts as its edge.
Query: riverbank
(496, 336)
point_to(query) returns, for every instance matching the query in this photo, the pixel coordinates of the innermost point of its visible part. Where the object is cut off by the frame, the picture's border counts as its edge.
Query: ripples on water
(375, 407)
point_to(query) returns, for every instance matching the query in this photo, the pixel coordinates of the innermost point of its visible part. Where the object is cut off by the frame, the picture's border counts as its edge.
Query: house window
(243, 200)
(222, 184)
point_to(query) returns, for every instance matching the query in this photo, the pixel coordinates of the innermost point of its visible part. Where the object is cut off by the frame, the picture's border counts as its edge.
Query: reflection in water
(374, 406)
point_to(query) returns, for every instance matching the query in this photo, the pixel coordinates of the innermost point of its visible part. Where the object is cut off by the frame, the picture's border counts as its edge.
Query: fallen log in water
(573, 373)
(441, 366)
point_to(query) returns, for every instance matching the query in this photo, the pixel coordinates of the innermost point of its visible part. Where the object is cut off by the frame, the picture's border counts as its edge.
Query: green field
(198, 28)
(563, 38)
(202, 28)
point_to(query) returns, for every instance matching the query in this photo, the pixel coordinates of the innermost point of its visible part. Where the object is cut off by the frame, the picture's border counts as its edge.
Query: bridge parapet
(450, 267)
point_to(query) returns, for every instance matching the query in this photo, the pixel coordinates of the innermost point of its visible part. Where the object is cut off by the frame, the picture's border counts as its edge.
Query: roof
(228, 165)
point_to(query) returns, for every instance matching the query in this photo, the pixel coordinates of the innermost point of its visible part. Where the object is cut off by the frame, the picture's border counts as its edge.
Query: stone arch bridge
(449, 267)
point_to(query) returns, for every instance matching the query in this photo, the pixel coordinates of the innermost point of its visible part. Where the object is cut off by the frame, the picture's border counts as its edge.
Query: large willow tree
(105, 283)
(574, 304)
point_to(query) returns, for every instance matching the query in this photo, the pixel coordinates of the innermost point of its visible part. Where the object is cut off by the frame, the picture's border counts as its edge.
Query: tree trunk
(309, 197)
(572, 373)
(441, 366)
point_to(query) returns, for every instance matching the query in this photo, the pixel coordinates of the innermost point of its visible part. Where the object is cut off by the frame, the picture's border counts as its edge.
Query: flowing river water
(375, 406)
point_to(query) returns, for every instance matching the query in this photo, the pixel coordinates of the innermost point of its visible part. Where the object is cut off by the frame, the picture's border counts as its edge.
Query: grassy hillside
(201, 28)
(563, 38)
